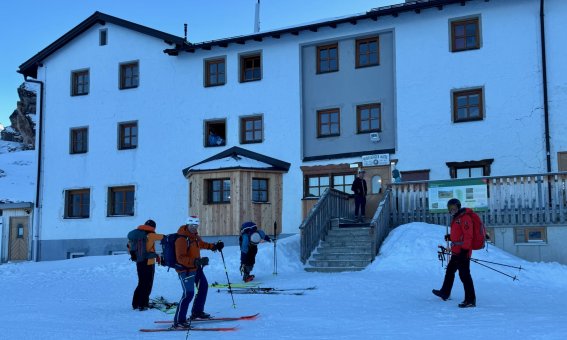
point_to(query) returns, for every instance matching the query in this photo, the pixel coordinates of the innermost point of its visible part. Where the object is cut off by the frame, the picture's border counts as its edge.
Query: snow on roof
(231, 162)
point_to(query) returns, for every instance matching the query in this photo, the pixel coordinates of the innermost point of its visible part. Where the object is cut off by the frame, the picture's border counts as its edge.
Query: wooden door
(18, 243)
(377, 180)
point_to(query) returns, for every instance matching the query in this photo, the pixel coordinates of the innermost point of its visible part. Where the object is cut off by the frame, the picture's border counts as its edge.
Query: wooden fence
(522, 200)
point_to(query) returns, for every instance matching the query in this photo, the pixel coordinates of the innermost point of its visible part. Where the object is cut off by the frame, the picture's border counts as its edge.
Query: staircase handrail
(380, 222)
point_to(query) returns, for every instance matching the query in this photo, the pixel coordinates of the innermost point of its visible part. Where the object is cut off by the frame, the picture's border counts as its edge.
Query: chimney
(257, 18)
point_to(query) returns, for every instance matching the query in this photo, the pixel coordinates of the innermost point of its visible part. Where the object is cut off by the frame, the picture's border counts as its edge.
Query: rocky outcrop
(23, 126)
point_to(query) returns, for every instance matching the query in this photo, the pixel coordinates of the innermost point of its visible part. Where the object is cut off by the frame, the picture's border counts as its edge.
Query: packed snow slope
(17, 173)
(90, 297)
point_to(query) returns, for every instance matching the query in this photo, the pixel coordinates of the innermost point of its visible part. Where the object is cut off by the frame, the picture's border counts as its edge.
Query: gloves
(218, 246)
(447, 237)
(267, 238)
(133, 256)
(201, 262)
(159, 260)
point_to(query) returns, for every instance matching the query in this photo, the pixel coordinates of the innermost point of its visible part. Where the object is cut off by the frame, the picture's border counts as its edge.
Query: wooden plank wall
(225, 219)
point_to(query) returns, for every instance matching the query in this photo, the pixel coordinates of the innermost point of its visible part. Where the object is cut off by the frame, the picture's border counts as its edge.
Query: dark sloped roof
(29, 68)
(373, 14)
(235, 151)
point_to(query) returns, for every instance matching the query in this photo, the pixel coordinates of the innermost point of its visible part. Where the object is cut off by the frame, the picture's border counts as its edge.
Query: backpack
(169, 259)
(479, 231)
(137, 240)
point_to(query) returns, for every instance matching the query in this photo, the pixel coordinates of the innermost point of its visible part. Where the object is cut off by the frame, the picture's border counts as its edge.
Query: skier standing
(461, 237)
(188, 254)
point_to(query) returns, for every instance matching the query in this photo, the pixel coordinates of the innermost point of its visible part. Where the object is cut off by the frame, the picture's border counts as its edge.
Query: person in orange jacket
(145, 265)
(188, 254)
(461, 237)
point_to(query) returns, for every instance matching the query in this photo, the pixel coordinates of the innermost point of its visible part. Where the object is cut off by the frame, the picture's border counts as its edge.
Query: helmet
(192, 220)
(255, 238)
(248, 227)
(454, 201)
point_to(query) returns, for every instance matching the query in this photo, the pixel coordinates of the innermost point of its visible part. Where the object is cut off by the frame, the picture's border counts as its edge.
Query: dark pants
(188, 282)
(250, 261)
(142, 293)
(359, 205)
(462, 264)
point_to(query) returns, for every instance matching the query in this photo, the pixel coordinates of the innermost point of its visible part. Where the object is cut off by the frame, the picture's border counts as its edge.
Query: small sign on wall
(376, 160)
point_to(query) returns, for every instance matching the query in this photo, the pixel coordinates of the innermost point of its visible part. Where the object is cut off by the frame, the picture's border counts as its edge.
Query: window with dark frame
(530, 235)
(77, 203)
(328, 58)
(129, 75)
(79, 140)
(470, 169)
(316, 185)
(465, 35)
(367, 52)
(260, 190)
(328, 123)
(215, 133)
(369, 118)
(218, 191)
(128, 135)
(250, 68)
(103, 37)
(343, 182)
(251, 130)
(80, 83)
(468, 105)
(215, 72)
(121, 201)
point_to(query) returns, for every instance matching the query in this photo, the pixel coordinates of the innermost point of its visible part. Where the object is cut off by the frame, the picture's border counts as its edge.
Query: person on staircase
(360, 189)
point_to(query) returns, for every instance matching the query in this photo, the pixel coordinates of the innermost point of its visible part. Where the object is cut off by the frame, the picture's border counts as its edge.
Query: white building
(445, 89)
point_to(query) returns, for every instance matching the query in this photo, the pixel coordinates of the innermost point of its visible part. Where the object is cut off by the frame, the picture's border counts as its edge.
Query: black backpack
(169, 258)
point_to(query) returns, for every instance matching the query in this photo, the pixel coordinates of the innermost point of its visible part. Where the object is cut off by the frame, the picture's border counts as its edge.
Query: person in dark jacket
(461, 237)
(250, 237)
(146, 267)
(188, 254)
(360, 190)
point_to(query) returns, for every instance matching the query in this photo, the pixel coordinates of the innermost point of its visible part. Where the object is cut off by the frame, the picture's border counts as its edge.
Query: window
(465, 35)
(129, 75)
(250, 68)
(215, 133)
(343, 182)
(80, 83)
(215, 72)
(367, 52)
(530, 235)
(316, 186)
(102, 37)
(259, 190)
(327, 58)
(127, 135)
(470, 169)
(79, 140)
(328, 123)
(77, 203)
(467, 105)
(219, 191)
(74, 255)
(251, 130)
(562, 161)
(376, 184)
(121, 201)
(368, 118)
(415, 175)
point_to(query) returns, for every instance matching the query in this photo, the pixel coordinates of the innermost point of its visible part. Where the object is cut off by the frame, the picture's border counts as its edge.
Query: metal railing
(332, 204)
(380, 222)
(520, 200)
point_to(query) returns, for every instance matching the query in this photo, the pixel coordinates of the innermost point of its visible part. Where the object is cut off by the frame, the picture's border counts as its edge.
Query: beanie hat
(248, 227)
(454, 201)
(150, 223)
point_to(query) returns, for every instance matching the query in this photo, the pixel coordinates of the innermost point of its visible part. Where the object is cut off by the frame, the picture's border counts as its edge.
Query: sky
(90, 297)
(28, 27)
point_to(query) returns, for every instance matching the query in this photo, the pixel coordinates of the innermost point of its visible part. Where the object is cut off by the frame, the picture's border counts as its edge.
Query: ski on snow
(219, 319)
(205, 329)
(235, 285)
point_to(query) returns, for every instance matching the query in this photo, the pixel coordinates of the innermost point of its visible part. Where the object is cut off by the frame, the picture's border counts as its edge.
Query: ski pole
(275, 252)
(444, 251)
(510, 276)
(227, 279)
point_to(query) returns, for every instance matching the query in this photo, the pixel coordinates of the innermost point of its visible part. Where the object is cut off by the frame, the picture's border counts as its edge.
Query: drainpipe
(544, 75)
(38, 178)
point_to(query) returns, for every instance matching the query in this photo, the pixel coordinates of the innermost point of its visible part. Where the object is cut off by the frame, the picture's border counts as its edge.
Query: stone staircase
(347, 246)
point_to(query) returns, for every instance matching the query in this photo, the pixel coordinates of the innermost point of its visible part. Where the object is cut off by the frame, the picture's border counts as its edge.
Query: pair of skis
(205, 329)
(268, 290)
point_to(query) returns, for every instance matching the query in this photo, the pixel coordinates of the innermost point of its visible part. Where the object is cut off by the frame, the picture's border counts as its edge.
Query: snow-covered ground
(17, 173)
(90, 297)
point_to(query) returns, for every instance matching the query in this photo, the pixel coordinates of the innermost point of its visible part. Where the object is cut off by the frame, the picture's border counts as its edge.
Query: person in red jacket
(461, 248)
(188, 254)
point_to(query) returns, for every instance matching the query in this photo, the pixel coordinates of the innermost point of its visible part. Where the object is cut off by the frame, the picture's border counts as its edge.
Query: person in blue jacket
(250, 237)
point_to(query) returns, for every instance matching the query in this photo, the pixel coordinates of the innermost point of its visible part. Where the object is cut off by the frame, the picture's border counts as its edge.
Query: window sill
(215, 146)
(78, 153)
(125, 215)
(326, 72)
(251, 142)
(365, 132)
(328, 136)
(249, 80)
(214, 85)
(79, 94)
(465, 49)
(259, 202)
(529, 244)
(468, 120)
(75, 218)
(128, 88)
(130, 148)
(365, 66)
